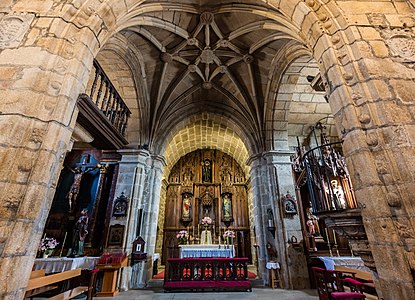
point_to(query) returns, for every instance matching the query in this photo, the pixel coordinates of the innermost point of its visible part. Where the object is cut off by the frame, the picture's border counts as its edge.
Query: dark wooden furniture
(330, 285)
(229, 274)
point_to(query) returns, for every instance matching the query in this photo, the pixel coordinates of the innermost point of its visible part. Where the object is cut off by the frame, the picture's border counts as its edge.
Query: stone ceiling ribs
(221, 53)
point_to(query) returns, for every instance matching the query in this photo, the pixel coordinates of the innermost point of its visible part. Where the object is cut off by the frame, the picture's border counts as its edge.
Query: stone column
(281, 182)
(133, 170)
(142, 272)
(263, 198)
(41, 77)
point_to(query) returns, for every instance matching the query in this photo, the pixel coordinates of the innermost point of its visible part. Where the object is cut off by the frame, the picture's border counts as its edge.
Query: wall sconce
(271, 225)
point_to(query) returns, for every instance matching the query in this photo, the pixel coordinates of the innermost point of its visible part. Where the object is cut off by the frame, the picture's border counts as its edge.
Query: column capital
(279, 157)
(254, 160)
(159, 161)
(134, 156)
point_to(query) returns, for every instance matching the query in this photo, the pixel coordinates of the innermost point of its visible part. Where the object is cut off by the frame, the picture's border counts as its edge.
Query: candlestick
(63, 244)
(335, 243)
(328, 242)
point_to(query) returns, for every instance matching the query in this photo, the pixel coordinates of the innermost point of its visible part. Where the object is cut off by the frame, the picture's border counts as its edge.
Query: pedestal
(109, 282)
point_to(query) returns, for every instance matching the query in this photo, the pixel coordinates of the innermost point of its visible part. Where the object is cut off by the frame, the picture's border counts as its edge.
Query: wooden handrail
(38, 282)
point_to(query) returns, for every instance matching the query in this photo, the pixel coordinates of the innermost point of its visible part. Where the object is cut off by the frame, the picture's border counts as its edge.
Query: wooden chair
(330, 287)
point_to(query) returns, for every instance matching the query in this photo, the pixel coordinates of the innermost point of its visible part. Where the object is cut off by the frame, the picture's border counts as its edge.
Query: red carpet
(161, 275)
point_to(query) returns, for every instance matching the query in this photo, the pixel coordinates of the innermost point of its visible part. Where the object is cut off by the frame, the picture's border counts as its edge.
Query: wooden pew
(39, 283)
(365, 277)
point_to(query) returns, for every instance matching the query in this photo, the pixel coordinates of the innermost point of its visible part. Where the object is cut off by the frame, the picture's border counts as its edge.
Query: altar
(61, 264)
(202, 251)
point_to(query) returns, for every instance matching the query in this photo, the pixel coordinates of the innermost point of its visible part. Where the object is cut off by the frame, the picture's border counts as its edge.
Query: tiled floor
(257, 294)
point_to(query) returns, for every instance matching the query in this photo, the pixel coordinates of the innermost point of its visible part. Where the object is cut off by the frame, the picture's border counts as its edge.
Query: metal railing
(327, 178)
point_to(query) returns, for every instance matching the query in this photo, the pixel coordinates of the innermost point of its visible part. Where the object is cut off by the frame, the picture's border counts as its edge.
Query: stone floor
(257, 294)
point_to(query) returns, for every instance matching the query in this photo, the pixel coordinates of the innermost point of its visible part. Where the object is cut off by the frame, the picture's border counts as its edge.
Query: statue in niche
(188, 176)
(79, 235)
(225, 172)
(206, 171)
(187, 206)
(74, 190)
(227, 208)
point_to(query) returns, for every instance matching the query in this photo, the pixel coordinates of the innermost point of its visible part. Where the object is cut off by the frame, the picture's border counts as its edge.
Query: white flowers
(47, 243)
(206, 221)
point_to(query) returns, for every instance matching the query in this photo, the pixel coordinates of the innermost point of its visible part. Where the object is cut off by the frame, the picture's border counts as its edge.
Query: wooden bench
(363, 281)
(365, 277)
(40, 283)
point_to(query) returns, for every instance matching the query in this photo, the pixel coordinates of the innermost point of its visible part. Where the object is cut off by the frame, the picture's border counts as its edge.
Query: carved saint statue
(186, 206)
(79, 235)
(227, 209)
(206, 171)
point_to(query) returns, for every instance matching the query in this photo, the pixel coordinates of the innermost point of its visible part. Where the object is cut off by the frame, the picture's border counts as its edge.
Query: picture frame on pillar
(115, 236)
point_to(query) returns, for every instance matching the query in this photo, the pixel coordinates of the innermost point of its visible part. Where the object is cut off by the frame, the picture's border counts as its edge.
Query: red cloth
(347, 295)
(353, 281)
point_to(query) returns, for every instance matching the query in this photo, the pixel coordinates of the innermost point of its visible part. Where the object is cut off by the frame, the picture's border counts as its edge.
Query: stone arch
(204, 131)
(118, 57)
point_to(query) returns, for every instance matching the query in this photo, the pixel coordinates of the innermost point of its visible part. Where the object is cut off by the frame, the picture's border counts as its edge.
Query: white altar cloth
(354, 262)
(61, 264)
(199, 251)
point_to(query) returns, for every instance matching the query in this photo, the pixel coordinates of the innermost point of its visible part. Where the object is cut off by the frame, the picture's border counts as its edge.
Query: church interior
(207, 144)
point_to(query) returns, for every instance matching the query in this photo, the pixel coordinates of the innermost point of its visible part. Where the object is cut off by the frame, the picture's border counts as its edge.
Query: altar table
(61, 264)
(202, 251)
(354, 262)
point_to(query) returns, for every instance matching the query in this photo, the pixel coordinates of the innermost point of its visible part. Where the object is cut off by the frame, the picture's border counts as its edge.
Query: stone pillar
(41, 77)
(281, 182)
(260, 202)
(133, 169)
(150, 215)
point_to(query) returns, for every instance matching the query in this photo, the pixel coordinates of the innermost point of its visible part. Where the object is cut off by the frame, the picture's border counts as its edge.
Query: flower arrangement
(229, 234)
(206, 221)
(182, 236)
(47, 244)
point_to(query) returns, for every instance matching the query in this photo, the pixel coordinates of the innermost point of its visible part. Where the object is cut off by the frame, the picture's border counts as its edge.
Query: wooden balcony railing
(108, 101)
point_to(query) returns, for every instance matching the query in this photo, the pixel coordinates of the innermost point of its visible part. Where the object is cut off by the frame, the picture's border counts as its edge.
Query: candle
(334, 237)
(327, 235)
(198, 230)
(269, 223)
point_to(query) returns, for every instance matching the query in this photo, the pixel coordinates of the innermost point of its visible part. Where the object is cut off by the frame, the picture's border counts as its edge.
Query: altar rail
(207, 273)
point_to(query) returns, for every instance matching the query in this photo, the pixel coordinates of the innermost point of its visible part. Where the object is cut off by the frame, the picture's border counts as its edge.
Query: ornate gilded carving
(12, 29)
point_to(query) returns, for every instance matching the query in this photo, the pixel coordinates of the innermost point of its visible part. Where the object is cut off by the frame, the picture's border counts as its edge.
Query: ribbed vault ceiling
(207, 57)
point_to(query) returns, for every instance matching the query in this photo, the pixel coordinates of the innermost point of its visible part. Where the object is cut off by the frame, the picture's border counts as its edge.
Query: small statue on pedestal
(80, 232)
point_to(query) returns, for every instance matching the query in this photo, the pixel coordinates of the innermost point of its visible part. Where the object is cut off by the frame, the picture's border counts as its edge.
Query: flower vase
(206, 235)
(47, 253)
(229, 241)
